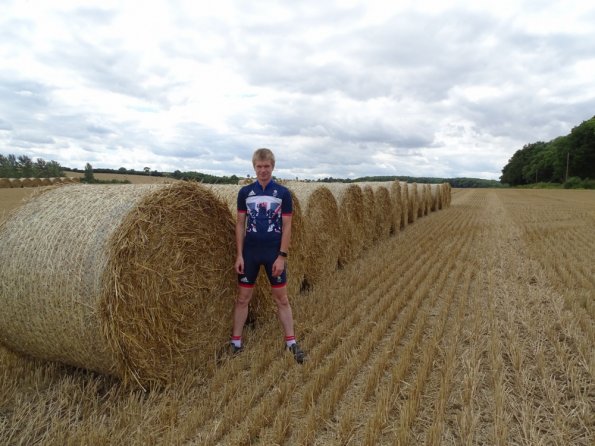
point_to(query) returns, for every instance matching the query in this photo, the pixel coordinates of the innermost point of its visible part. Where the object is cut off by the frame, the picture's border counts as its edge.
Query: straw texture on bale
(320, 219)
(15, 183)
(129, 280)
(45, 182)
(28, 182)
(5, 183)
(350, 204)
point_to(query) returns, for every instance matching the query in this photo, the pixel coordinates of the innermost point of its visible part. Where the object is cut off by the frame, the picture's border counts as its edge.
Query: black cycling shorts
(254, 257)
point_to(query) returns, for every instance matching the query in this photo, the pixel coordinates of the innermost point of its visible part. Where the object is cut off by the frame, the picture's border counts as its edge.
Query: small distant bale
(436, 191)
(28, 182)
(45, 182)
(404, 203)
(413, 202)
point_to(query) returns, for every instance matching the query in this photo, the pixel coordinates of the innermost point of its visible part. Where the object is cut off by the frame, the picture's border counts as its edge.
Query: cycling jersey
(264, 209)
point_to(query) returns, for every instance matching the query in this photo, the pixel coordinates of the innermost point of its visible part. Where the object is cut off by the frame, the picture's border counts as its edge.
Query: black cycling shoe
(297, 352)
(235, 350)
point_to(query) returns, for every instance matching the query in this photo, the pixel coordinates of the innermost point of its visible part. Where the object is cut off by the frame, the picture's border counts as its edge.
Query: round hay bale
(45, 182)
(15, 183)
(28, 182)
(446, 194)
(436, 191)
(369, 215)
(426, 200)
(129, 280)
(350, 202)
(5, 183)
(421, 200)
(320, 216)
(413, 202)
(396, 199)
(382, 210)
(74, 179)
(404, 204)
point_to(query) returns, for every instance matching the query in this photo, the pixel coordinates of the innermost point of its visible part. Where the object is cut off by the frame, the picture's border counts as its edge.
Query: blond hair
(263, 155)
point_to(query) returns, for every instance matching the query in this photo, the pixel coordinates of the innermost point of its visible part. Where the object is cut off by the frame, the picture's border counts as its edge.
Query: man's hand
(278, 266)
(240, 265)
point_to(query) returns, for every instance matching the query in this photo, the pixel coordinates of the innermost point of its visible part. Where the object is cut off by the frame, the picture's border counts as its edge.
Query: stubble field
(474, 325)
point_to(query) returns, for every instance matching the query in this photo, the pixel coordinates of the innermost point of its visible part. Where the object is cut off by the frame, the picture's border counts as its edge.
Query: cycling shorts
(263, 255)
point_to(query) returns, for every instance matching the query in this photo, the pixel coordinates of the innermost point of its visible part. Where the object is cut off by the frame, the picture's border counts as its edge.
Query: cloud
(336, 89)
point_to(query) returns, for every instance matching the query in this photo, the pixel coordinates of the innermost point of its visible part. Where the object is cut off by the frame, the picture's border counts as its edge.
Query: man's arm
(286, 233)
(279, 264)
(240, 236)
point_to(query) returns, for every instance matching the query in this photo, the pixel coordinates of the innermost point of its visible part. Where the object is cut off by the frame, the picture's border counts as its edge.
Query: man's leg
(240, 313)
(284, 310)
(286, 318)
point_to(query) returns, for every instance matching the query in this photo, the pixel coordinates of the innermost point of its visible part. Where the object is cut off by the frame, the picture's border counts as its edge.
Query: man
(263, 233)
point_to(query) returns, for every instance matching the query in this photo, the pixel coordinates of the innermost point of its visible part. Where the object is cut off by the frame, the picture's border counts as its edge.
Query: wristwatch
(282, 254)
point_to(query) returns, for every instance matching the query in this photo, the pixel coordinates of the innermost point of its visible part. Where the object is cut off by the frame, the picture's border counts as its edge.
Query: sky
(339, 89)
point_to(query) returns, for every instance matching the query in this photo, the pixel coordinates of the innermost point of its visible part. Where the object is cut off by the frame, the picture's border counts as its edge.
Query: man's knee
(244, 296)
(280, 297)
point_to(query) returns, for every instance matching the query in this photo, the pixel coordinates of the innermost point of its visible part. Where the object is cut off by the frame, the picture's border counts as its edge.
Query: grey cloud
(5, 125)
(22, 96)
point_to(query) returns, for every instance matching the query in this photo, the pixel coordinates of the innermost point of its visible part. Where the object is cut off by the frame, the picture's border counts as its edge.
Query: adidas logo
(252, 193)
(244, 280)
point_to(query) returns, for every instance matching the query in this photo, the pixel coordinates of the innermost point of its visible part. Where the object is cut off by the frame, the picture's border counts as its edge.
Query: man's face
(264, 170)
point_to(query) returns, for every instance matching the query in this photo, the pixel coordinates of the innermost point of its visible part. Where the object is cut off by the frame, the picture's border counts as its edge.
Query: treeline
(204, 177)
(22, 166)
(567, 159)
(122, 171)
(179, 175)
(454, 182)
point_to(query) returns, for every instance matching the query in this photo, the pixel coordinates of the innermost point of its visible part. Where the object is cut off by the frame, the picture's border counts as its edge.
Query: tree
(581, 162)
(25, 166)
(89, 177)
(8, 166)
(54, 169)
(39, 168)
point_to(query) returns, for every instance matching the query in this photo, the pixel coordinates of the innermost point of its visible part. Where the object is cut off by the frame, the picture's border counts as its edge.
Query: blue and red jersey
(264, 209)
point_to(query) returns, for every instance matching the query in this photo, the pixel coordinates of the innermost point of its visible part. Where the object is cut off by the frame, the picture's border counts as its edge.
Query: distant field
(134, 179)
(11, 198)
(474, 325)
